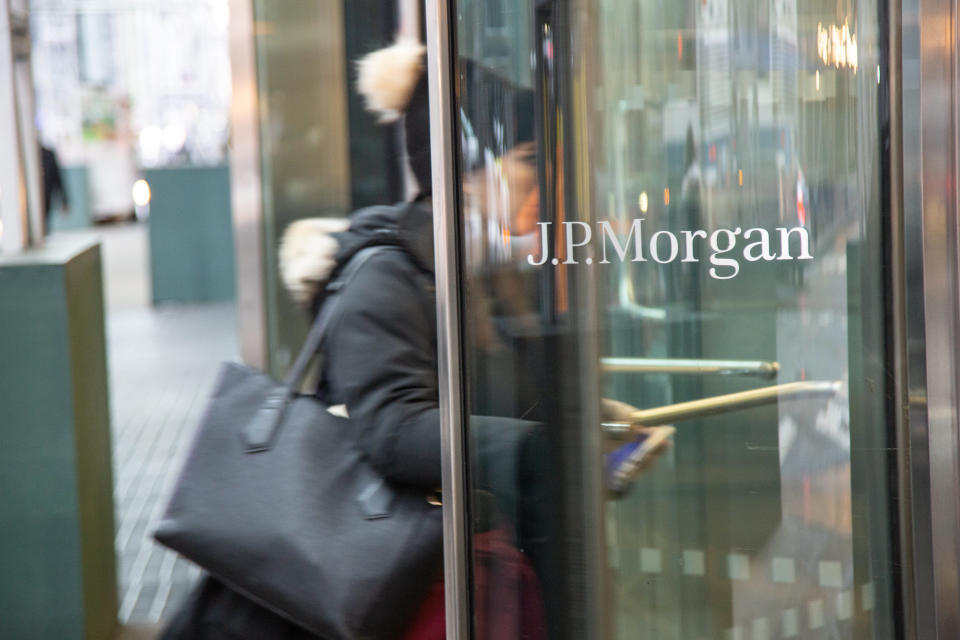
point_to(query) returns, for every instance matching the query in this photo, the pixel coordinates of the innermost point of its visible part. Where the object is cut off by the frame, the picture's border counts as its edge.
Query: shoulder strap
(260, 433)
(311, 345)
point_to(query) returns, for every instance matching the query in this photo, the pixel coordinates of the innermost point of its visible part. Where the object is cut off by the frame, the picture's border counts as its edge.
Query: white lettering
(723, 262)
(544, 247)
(636, 232)
(568, 232)
(756, 245)
(688, 243)
(785, 243)
(654, 244)
(763, 243)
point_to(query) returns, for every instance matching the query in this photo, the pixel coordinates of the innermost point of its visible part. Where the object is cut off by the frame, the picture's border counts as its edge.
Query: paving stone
(162, 365)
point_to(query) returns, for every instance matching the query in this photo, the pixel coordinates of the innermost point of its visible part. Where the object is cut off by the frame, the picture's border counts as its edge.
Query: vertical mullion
(445, 216)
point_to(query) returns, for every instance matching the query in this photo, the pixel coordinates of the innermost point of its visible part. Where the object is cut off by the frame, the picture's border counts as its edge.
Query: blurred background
(158, 150)
(152, 153)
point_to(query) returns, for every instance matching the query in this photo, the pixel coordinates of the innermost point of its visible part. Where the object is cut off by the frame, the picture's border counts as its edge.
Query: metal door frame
(926, 276)
(450, 350)
(246, 186)
(21, 221)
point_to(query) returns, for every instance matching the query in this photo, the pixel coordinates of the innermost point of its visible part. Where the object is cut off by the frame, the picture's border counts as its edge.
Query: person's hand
(616, 411)
(650, 460)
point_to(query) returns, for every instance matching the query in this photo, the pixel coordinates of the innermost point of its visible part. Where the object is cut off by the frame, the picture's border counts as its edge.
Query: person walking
(379, 357)
(52, 185)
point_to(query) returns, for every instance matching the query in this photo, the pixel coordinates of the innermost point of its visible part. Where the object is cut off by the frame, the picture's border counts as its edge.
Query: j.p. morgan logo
(724, 248)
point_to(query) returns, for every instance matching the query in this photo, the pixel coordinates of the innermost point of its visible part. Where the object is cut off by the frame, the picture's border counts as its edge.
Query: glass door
(674, 214)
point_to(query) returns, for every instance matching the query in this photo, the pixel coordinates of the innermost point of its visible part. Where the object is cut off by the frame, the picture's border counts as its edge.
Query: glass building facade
(709, 216)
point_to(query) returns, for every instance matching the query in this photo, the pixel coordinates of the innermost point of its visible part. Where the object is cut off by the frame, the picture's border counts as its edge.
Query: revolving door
(691, 215)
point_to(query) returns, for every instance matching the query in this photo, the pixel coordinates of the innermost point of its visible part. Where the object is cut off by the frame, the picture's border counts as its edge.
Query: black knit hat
(416, 127)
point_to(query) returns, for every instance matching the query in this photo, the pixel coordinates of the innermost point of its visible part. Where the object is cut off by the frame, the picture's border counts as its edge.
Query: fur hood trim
(308, 256)
(387, 77)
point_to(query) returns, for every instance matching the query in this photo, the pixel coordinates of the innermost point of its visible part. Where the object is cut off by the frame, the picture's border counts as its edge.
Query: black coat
(380, 356)
(380, 360)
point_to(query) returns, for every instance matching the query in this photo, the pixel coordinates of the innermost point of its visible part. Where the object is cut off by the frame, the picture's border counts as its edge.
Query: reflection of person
(52, 185)
(511, 336)
(379, 359)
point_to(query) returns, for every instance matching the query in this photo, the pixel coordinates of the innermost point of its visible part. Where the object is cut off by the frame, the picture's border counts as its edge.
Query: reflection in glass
(649, 189)
(731, 106)
(322, 154)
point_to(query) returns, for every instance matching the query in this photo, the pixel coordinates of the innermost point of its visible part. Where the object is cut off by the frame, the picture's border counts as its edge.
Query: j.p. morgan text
(723, 247)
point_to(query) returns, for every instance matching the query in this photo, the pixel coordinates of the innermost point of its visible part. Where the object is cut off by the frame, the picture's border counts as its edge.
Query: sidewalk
(162, 363)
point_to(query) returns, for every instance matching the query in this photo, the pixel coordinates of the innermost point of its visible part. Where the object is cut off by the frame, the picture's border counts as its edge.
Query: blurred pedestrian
(379, 360)
(52, 185)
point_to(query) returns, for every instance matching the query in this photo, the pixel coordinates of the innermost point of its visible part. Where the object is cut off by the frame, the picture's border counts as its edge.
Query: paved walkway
(162, 363)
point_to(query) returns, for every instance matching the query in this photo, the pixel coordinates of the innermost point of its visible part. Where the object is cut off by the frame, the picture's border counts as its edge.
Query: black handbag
(276, 501)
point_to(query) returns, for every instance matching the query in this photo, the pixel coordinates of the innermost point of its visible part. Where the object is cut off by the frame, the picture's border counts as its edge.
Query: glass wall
(321, 153)
(674, 214)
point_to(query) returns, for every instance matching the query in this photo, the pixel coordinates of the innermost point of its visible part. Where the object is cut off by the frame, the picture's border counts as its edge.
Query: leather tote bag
(275, 500)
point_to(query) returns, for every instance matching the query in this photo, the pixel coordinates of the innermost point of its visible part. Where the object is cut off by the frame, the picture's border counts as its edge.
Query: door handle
(668, 414)
(757, 368)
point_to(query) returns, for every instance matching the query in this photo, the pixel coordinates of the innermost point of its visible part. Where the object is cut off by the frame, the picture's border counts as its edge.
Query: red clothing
(506, 595)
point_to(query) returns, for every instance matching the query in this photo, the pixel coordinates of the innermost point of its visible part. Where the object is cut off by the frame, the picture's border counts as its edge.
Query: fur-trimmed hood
(312, 250)
(308, 256)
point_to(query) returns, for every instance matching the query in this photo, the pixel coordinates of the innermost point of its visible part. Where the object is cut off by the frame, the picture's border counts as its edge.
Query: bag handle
(261, 432)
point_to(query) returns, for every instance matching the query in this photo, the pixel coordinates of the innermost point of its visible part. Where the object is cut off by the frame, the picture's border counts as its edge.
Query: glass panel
(673, 214)
(322, 153)
(303, 140)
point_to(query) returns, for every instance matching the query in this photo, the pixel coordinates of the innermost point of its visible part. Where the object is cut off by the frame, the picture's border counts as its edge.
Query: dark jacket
(380, 353)
(52, 182)
(379, 359)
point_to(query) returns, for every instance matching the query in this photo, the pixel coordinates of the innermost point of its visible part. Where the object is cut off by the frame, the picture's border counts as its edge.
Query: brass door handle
(726, 403)
(693, 366)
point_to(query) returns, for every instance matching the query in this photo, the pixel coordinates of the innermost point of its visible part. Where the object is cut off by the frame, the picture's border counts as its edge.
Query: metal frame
(20, 217)
(692, 366)
(897, 301)
(439, 67)
(246, 189)
(928, 343)
(13, 231)
(26, 109)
